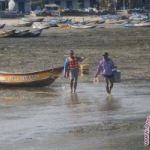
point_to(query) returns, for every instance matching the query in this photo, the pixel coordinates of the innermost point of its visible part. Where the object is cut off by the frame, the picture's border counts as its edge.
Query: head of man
(105, 55)
(71, 53)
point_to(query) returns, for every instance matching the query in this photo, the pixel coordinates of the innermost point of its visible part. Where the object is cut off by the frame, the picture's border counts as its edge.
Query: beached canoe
(41, 25)
(2, 26)
(34, 33)
(33, 79)
(142, 24)
(8, 33)
(25, 24)
(63, 25)
(78, 26)
(20, 33)
(32, 19)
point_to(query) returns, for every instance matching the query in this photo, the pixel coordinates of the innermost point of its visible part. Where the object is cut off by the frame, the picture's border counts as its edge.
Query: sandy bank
(73, 18)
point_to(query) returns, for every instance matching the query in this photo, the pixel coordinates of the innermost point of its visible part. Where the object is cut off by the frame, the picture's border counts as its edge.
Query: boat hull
(34, 79)
(83, 26)
(7, 33)
(35, 33)
(2, 26)
(27, 24)
(32, 20)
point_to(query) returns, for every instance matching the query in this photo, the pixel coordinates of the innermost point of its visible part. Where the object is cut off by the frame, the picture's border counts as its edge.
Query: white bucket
(117, 76)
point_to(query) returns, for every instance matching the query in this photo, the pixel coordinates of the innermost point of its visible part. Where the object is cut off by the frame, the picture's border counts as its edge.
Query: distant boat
(142, 24)
(27, 33)
(63, 25)
(32, 19)
(7, 33)
(2, 26)
(25, 24)
(83, 26)
(20, 33)
(33, 79)
(34, 33)
(41, 25)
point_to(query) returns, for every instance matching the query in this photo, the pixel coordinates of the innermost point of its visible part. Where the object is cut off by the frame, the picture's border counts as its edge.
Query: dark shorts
(108, 76)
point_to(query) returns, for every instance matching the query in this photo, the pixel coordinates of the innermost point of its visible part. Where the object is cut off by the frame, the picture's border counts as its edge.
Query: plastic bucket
(117, 76)
(84, 68)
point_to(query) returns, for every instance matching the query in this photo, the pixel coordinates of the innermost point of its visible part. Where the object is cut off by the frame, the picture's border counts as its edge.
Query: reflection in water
(15, 94)
(110, 104)
(9, 99)
(74, 99)
(74, 114)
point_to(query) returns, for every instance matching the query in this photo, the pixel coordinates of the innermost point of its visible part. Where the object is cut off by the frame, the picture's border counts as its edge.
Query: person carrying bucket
(71, 68)
(106, 66)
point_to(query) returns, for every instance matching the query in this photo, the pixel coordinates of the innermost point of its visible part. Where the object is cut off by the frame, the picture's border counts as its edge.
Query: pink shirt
(105, 66)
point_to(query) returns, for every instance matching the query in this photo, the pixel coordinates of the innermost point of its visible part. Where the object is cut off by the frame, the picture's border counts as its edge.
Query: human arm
(99, 69)
(66, 64)
(114, 66)
(80, 59)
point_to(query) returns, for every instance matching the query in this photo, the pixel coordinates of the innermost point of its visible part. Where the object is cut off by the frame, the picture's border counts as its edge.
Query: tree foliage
(106, 4)
(38, 3)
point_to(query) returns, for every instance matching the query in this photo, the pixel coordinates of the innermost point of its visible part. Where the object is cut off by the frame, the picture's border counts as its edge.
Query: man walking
(71, 65)
(105, 66)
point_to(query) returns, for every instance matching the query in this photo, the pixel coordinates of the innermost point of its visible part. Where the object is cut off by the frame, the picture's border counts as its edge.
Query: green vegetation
(38, 3)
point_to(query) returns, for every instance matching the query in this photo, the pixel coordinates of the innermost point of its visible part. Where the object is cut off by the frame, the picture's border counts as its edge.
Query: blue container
(116, 76)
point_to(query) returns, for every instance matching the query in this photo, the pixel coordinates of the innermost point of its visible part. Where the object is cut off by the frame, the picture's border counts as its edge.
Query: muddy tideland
(51, 118)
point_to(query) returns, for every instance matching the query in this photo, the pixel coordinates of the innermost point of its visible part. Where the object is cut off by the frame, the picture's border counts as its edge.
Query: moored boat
(41, 25)
(35, 33)
(2, 26)
(32, 19)
(8, 33)
(63, 25)
(26, 24)
(33, 79)
(83, 26)
(142, 24)
(21, 33)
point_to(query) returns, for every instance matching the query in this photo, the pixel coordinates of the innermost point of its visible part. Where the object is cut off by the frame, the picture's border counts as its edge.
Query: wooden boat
(32, 19)
(83, 26)
(21, 33)
(33, 79)
(35, 33)
(8, 33)
(142, 24)
(2, 26)
(26, 24)
(63, 25)
(40, 25)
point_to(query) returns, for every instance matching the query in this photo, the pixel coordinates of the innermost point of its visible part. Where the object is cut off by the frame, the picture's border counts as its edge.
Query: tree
(78, 5)
(38, 3)
(106, 4)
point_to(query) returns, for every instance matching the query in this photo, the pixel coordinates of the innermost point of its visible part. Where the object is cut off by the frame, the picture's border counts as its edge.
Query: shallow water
(51, 118)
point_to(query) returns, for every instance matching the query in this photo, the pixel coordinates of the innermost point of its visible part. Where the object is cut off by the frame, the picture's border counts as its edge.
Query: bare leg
(75, 81)
(111, 84)
(75, 86)
(107, 85)
(71, 84)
